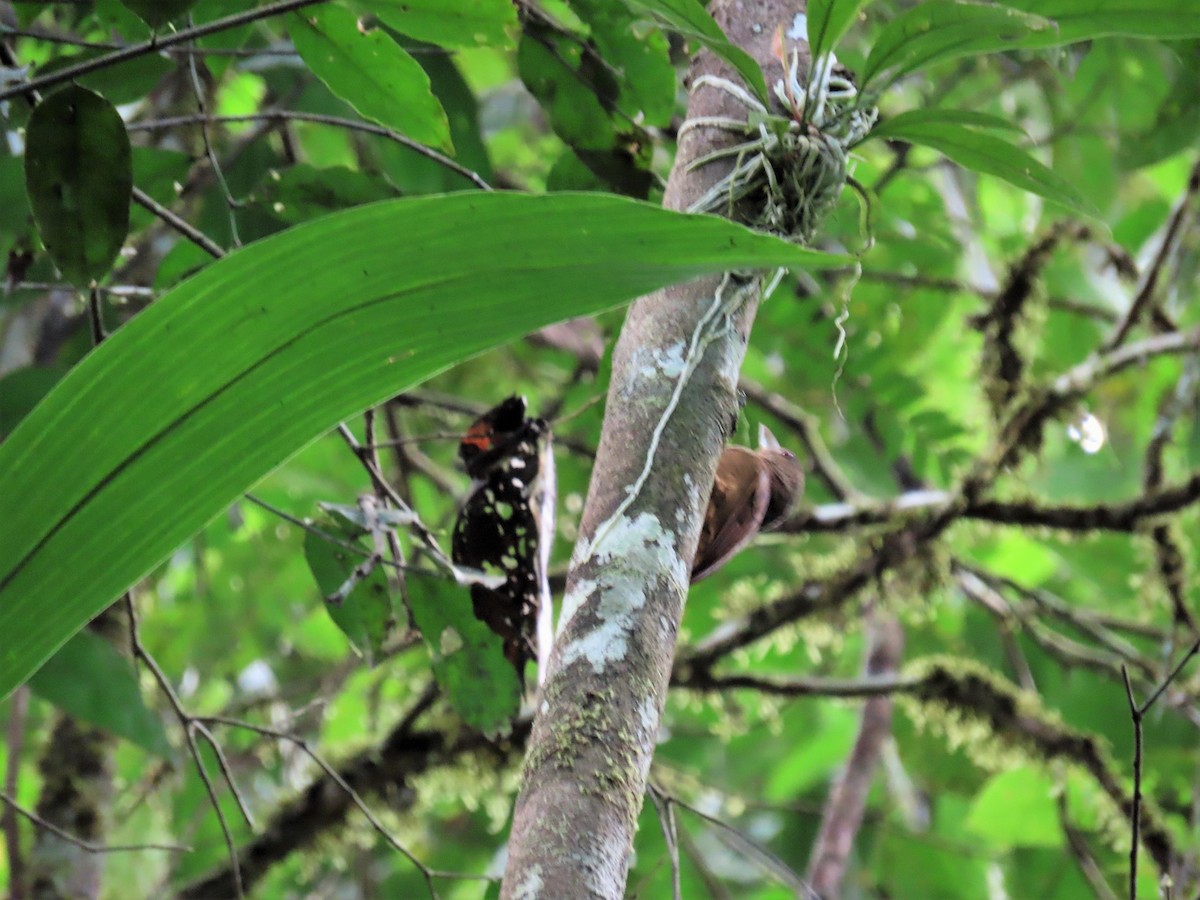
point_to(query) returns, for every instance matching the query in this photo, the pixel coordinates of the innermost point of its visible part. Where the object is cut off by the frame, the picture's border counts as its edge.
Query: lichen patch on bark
(628, 548)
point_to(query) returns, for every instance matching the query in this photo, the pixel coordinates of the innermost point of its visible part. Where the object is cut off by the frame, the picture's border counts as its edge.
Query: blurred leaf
(360, 605)
(79, 175)
(894, 125)
(468, 657)
(157, 13)
(449, 23)
(124, 82)
(692, 20)
(828, 20)
(1176, 126)
(414, 173)
(265, 349)
(302, 192)
(88, 679)
(20, 391)
(1017, 809)
(1084, 20)
(986, 153)
(580, 92)
(371, 72)
(938, 30)
(639, 57)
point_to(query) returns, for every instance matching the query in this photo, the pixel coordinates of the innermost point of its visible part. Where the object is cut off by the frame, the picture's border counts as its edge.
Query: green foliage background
(549, 97)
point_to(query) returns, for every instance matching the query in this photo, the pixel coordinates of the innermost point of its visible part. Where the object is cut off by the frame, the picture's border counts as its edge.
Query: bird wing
(742, 505)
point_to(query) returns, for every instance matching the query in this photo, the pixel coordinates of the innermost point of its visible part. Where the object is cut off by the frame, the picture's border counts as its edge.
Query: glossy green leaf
(1017, 808)
(20, 391)
(1085, 20)
(896, 125)
(1176, 126)
(828, 20)
(640, 57)
(984, 151)
(468, 657)
(449, 23)
(125, 82)
(242, 365)
(359, 604)
(157, 13)
(79, 175)
(938, 30)
(371, 72)
(88, 679)
(579, 96)
(690, 19)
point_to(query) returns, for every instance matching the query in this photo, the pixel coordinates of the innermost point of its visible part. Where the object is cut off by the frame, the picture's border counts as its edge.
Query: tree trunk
(666, 423)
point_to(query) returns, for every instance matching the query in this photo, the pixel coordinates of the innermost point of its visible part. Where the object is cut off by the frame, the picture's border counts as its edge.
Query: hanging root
(788, 176)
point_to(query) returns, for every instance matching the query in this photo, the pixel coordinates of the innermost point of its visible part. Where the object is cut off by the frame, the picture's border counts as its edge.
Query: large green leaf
(358, 601)
(956, 135)
(371, 72)
(468, 657)
(945, 29)
(828, 21)
(690, 19)
(91, 681)
(1084, 20)
(449, 23)
(79, 175)
(237, 368)
(157, 13)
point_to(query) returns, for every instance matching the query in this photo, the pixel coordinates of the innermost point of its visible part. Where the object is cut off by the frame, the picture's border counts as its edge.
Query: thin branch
(86, 846)
(188, 725)
(386, 769)
(1148, 285)
(193, 66)
(764, 859)
(1082, 854)
(189, 231)
(337, 541)
(1137, 712)
(154, 45)
(13, 742)
(846, 689)
(288, 115)
(333, 775)
(664, 807)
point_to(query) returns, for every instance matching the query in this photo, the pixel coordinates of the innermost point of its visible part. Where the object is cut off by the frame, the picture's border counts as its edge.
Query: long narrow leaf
(828, 21)
(897, 126)
(238, 368)
(986, 152)
(938, 30)
(1085, 20)
(690, 19)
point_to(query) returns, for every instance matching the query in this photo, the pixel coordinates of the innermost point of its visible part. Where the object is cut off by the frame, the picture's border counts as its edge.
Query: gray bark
(598, 715)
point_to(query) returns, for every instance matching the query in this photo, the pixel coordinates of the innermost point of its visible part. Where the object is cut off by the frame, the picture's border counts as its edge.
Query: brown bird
(754, 491)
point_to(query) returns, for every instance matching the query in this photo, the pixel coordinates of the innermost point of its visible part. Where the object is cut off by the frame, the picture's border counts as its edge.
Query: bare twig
(86, 846)
(665, 808)
(333, 775)
(154, 45)
(1137, 713)
(193, 65)
(14, 738)
(189, 231)
(189, 726)
(1177, 226)
(288, 115)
